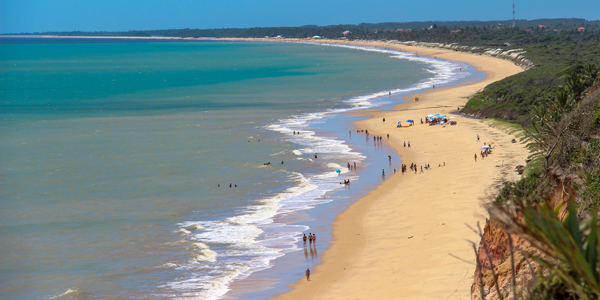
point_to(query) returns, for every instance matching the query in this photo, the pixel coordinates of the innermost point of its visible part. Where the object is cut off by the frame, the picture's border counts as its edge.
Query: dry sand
(408, 239)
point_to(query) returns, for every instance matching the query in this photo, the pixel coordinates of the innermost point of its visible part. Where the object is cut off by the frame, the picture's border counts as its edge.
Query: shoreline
(337, 123)
(390, 246)
(369, 263)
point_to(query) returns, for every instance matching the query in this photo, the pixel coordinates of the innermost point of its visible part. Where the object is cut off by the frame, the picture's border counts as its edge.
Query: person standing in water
(304, 239)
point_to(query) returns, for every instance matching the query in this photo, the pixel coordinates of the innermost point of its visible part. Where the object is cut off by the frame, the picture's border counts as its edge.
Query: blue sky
(116, 15)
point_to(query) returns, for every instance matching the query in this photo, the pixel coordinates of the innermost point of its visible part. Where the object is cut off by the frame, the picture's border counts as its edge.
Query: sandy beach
(408, 239)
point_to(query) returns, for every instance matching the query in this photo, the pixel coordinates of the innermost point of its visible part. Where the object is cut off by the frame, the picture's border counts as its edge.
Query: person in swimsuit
(307, 274)
(304, 239)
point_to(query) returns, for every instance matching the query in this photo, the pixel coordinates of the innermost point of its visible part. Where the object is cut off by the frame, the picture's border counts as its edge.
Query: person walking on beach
(354, 165)
(315, 236)
(408, 144)
(404, 144)
(304, 239)
(310, 238)
(383, 120)
(307, 274)
(315, 155)
(475, 156)
(390, 158)
(478, 137)
(383, 173)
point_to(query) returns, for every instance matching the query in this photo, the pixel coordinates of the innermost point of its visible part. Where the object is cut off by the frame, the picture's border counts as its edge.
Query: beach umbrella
(430, 115)
(410, 121)
(398, 122)
(338, 171)
(485, 147)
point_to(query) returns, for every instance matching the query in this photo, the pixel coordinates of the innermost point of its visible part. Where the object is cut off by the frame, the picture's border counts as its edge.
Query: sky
(18, 16)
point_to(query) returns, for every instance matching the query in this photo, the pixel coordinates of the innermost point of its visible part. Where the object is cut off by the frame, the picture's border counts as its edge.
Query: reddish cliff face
(496, 241)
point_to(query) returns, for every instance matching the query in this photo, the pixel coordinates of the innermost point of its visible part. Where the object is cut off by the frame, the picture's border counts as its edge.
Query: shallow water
(113, 153)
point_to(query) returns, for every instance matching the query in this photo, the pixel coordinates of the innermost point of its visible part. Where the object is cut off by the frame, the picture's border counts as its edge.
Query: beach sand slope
(408, 239)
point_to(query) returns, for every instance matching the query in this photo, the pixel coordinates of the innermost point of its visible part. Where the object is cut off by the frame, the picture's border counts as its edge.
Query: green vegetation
(565, 57)
(564, 137)
(570, 249)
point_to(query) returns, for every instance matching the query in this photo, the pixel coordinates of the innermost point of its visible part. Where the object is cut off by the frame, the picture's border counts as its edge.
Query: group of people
(346, 182)
(312, 239)
(235, 185)
(269, 163)
(351, 167)
(406, 144)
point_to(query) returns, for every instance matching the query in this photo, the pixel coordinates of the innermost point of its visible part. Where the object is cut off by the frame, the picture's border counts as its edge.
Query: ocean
(157, 169)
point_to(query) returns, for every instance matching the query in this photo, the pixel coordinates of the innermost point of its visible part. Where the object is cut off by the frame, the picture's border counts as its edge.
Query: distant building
(581, 29)
(316, 37)
(455, 31)
(542, 26)
(346, 32)
(403, 30)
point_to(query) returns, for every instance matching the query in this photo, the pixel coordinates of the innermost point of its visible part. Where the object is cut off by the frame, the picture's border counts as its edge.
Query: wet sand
(408, 239)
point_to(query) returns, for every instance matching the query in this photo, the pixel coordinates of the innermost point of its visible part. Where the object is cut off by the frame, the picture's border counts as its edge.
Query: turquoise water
(116, 158)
